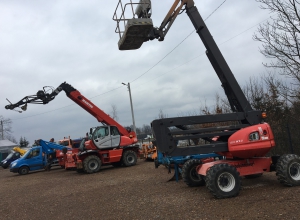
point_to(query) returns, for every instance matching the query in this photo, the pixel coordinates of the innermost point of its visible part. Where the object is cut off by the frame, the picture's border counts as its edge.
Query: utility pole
(128, 86)
(2, 129)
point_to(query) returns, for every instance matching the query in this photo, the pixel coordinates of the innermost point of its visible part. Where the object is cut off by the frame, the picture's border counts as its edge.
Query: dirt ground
(138, 192)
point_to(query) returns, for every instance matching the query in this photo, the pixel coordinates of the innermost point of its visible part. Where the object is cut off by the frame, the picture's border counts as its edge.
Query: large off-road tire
(288, 170)
(23, 170)
(129, 158)
(223, 181)
(190, 175)
(91, 164)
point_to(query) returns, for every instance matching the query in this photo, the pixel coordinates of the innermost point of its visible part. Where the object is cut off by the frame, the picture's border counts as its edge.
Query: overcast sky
(44, 43)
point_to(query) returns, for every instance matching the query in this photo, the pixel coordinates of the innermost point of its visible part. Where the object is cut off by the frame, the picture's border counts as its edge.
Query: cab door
(101, 137)
(115, 136)
(34, 159)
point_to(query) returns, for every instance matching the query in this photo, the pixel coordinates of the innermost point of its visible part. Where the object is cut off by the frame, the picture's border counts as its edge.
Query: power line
(203, 53)
(138, 76)
(177, 45)
(155, 65)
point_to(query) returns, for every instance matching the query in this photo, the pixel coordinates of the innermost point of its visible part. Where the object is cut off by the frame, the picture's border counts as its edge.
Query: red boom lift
(108, 144)
(242, 136)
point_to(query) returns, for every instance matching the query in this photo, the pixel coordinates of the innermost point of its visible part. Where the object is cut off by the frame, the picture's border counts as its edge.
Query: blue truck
(39, 157)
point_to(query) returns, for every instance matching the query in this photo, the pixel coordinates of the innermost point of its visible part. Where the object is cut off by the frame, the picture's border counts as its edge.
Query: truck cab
(33, 159)
(9, 159)
(106, 137)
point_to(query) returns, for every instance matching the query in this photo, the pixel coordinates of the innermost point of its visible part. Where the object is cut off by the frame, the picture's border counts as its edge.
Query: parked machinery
(185, 166)
(15, 154)
(241, 136)
(110, 144)
(148, 151)
(42, 156)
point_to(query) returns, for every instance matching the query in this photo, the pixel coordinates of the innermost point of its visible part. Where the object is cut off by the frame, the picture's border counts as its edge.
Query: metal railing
(121, 20)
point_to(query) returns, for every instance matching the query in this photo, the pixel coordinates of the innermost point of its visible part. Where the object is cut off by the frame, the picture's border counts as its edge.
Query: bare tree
(114, 112)
(280, 38)
(146, 129)
(161, 114)
(5, 128)
(11, 138)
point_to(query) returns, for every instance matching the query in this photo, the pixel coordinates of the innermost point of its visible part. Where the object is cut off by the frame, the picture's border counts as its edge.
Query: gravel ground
(138, 192)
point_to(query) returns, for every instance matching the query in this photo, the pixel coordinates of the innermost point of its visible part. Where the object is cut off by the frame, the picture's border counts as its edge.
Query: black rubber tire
(223, 181)
(23, 170)
(91, 164)
(190, 175)
(253, 176)
(4, 167)
(288, 170)
(129, 158)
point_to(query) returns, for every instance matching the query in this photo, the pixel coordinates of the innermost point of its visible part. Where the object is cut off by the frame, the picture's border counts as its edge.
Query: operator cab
(133, 27)
(106, 137)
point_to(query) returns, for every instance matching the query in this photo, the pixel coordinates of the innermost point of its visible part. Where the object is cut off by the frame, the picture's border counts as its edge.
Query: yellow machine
(19, 150)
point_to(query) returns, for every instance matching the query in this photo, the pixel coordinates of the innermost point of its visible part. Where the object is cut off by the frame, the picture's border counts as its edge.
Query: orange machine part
(241, 144)
(244, 167)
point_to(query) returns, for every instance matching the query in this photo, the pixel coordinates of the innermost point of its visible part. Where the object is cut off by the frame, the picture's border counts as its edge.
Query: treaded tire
(223, 181)
(288, 170)
(91, 164)
(190, 175)
(129, 158)
(23, 170)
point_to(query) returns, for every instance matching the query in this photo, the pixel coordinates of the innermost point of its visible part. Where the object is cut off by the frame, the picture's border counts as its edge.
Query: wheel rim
(295, 171)
(23, 171)
(130, 159)
(194, 175)
(226, 182)
(93, 165)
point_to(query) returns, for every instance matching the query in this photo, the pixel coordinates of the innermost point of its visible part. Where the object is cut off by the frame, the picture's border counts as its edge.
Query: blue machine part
(180, 160)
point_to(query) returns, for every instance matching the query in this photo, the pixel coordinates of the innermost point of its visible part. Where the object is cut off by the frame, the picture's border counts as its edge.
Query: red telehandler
(110, 144)
(241, 136)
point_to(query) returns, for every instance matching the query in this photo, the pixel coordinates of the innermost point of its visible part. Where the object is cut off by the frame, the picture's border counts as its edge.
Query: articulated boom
(200, 134)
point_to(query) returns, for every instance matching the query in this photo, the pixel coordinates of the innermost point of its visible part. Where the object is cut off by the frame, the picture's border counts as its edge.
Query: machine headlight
(4, 162)
(13, 164)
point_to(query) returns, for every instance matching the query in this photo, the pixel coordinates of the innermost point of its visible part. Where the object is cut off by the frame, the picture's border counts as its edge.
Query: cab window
(33, 153)
(101, 132)
(114, 131)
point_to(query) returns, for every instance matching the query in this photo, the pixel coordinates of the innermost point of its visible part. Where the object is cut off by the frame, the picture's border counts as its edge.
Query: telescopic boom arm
(42, 97)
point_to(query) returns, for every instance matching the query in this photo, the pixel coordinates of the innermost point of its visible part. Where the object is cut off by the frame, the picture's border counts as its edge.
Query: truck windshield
(26, 154)
(10, 155)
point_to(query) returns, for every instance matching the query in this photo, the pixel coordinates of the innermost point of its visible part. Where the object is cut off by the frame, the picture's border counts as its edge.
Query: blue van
(9, 159)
